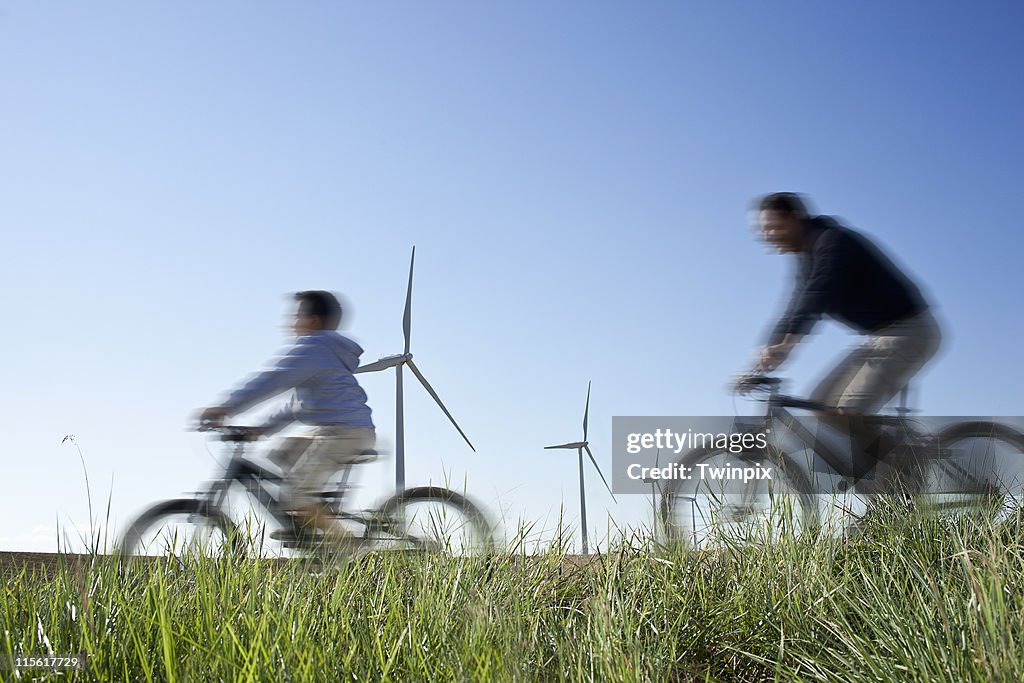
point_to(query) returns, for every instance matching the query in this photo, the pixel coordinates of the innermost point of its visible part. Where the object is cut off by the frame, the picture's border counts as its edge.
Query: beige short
(310, 460)
(876, 370)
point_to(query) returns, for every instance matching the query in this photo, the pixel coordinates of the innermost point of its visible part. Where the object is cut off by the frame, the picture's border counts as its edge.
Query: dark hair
(322, 304)
(783, 202)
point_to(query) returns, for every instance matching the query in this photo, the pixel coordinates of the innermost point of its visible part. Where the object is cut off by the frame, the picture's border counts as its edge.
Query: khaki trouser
(876, 370)
(866, 379)
(310, 460)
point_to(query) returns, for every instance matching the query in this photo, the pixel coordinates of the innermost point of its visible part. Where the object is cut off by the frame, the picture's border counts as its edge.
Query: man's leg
(890, 359)
(863, 433)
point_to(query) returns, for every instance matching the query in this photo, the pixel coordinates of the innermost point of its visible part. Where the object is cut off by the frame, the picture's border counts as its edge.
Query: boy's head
(315, 310)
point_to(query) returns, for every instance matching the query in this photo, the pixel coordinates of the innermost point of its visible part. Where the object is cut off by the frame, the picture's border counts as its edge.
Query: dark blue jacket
(844, 276)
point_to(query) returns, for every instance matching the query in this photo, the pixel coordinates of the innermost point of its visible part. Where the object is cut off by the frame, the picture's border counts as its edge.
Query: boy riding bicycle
(320, 368)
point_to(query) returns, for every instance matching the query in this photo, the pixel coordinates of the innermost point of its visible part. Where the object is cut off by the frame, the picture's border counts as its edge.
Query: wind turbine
(398, 362)
(656, 486)
(654, 483)
(579, 447)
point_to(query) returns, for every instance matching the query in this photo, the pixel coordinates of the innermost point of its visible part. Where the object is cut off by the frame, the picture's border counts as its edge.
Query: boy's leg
(331, 448)
(288, 451)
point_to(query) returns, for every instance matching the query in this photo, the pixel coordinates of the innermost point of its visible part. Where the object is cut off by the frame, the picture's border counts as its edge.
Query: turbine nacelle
(385, 363)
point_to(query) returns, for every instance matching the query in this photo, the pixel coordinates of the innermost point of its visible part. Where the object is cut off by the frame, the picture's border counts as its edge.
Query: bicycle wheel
(978, 471)
(181, 527)
(430, 518)
(710, 504)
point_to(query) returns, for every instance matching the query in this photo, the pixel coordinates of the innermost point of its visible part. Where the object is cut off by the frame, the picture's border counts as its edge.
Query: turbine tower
(398, 362)
(655, 486)
(579, 447)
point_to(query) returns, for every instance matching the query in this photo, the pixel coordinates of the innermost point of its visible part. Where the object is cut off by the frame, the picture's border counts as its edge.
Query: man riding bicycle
(841, 274)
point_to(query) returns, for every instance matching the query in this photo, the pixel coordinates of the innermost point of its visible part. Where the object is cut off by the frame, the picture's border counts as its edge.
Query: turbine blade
(382, 364)
(586, 413)
(593, 460)
(570, 445)
(657, 456)
(407, 318)
(430, 390)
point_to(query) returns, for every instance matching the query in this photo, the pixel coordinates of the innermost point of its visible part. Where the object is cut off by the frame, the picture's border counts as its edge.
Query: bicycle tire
(393, 522)
(993, 494)
(682, 493)
(134, 540)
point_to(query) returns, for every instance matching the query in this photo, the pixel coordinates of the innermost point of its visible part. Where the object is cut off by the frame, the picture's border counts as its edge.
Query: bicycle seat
(364, 456)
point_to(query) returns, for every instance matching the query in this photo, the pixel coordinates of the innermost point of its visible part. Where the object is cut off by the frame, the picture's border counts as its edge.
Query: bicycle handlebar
(771, 385)
(802, 403)
(230, 432)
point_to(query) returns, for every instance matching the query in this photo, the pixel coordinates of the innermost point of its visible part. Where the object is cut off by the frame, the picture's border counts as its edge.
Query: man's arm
(828, 267)
(809, 301)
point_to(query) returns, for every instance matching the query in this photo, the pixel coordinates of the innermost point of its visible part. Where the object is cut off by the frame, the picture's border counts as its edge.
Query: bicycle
(950, 472)
(425, 518)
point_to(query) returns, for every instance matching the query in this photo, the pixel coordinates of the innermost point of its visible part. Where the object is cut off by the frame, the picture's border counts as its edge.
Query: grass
(912, 599)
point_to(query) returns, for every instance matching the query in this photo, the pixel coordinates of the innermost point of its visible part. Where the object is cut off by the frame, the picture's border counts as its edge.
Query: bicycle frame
(723, 509)
(255, 479)
(777, 413)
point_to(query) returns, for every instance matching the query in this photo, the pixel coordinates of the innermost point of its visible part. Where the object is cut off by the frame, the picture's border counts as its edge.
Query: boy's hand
(212, 416)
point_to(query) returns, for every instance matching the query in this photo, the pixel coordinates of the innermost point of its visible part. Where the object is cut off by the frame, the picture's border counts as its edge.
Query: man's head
(315, 310)
(781, 217)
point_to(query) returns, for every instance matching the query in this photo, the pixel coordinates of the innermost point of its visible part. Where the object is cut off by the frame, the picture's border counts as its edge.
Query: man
(844, 276)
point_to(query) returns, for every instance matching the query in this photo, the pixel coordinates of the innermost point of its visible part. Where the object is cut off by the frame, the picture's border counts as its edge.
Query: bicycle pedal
(290, 537)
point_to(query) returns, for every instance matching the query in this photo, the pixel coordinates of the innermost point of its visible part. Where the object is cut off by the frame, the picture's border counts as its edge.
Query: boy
(327, 397)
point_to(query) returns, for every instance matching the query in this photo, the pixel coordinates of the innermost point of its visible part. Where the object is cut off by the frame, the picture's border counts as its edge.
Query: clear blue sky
(575, 177)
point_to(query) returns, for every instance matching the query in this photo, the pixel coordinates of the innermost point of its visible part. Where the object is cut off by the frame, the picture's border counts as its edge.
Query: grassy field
(908, 600)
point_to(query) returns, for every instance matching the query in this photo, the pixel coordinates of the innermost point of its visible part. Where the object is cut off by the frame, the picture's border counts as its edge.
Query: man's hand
(774, 355)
